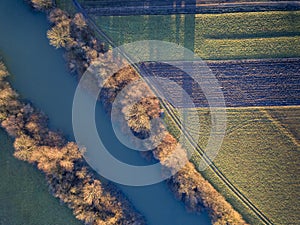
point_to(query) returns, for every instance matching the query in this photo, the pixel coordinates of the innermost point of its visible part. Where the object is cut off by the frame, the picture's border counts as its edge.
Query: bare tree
(79, 21)
(42, 4)
(59, 36)
(3, 71)
(57, 16)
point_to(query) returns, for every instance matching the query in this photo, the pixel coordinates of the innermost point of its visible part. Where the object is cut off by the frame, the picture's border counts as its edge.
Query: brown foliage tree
(79, 21)
(42, 4)
(60, 35)
(57, 16)
(14, 125)
(8, 103)
(137, 118)
(92, 193)
(3, 71)
(24, 148)
(55, 160)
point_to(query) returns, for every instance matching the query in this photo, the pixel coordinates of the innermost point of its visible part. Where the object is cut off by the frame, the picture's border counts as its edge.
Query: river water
(39, 74)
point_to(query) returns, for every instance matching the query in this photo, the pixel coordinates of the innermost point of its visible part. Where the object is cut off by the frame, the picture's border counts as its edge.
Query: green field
(24, 194)
(260, 158)
(244, 35)
(283, 47)
(214, 36)
(246, 25)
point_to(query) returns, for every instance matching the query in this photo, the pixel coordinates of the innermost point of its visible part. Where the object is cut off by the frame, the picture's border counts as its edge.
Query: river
(39, 74)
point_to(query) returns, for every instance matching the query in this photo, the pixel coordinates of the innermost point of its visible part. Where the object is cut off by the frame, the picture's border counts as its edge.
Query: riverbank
(188, 185)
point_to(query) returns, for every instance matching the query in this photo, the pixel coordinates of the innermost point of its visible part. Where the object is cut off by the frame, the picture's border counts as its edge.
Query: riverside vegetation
(69, 177)
(83, 50)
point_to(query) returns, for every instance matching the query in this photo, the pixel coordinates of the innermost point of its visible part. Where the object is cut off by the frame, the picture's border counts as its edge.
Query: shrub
(3, 71)
(79, 21)
(57, 16)
(42, 4)
(59, 35)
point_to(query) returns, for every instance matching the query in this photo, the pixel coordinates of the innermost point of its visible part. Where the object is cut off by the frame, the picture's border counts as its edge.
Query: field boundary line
(281, 128)
(276, 60)
(250, 107)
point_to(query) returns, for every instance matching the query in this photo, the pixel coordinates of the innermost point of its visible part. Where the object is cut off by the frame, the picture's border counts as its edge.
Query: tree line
(187, 184)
